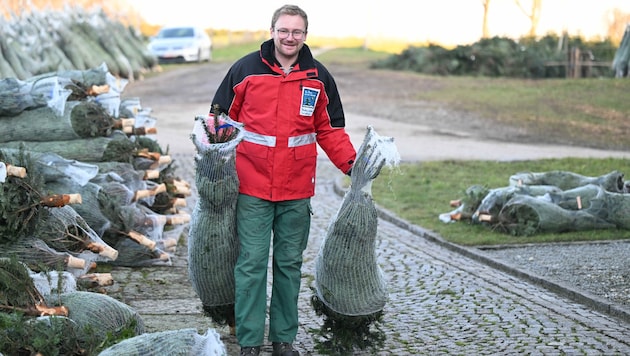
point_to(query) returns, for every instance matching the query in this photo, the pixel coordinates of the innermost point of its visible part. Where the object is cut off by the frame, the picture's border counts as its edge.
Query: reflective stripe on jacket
(285, 116)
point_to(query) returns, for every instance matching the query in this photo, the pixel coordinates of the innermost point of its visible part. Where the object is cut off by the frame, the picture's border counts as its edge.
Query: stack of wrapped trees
(75, 136)
(547, 202)
(41, 41)
(46, 315)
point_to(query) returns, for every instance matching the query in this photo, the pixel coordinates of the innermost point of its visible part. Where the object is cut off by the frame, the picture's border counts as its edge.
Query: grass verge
(420, 192)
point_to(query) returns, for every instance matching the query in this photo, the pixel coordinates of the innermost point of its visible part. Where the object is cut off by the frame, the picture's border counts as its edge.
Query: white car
(181, 44)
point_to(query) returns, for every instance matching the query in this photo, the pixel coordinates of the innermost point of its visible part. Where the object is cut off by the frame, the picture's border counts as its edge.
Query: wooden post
(575, 59)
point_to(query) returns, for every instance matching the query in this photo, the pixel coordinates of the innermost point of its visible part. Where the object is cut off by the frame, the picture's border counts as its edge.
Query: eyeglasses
(284, 33)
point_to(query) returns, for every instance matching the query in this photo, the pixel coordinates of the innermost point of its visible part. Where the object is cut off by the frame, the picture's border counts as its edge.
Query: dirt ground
(380, 98)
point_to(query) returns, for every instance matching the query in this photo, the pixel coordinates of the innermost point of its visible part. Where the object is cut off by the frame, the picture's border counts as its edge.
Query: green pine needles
(343, 334)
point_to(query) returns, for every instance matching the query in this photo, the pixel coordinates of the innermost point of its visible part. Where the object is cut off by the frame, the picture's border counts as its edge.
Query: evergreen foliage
(19, 201)
(502, 57)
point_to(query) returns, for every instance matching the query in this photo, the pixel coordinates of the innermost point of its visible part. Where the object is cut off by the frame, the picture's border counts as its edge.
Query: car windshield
(176, 32)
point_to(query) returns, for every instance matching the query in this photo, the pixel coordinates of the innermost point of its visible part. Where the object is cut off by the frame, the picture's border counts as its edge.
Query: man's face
(284, 32)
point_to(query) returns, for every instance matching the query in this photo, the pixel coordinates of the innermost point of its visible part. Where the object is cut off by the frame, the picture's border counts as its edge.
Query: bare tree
(484, 29)
(533, 15)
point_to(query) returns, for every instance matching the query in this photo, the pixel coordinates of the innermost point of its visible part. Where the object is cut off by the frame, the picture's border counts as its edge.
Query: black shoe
(250, 351)
(284, 349)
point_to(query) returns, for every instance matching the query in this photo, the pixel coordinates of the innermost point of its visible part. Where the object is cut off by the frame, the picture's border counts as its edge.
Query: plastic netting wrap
(182, 342)
(23, 197)
(576, 198)
(612, 182)
(348, 279)
(549, 202)
(38, 256)
(496, 198)
(134, 222)
(614, 208)
(80, 119)
(117, 147)
(128, 218)
(212, 239)
(18, 289)
(143, 220)
(99, 315)
(121, 172)
(133, 254)
(524, 215)
(117, 193)
(610, 206)
(468, 205)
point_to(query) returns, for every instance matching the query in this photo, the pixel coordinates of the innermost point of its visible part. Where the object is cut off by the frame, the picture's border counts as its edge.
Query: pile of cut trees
(82, 178)
(547, 202)
(42, 41)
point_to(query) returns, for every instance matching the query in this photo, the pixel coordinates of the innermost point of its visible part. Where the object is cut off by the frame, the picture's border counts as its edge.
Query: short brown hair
(289, 10)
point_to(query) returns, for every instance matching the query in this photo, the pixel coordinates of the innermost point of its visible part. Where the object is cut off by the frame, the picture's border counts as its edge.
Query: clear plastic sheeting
(348, 279)
(18, 96)
(90, 208)
(3, 172)
(182, 342)
(53, 282)
(65, 230)
(53, 90)
(52, 166)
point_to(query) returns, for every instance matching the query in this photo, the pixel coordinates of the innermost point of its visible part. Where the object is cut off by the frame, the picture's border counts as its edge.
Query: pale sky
(440, 21)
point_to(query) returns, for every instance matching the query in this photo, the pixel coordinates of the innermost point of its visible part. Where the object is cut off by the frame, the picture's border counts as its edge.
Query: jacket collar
(304, 61)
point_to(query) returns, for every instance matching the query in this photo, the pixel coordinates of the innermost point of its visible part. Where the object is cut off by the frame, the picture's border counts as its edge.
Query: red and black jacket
(285, 117)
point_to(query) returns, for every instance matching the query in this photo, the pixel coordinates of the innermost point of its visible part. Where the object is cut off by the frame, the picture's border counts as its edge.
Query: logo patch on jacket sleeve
(309, 99)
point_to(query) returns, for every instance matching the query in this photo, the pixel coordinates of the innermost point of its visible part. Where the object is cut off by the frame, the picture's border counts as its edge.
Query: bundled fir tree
(212, 239)
(350, 288)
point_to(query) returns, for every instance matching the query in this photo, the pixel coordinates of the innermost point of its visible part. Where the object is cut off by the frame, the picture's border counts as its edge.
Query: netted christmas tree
(350, 288)
(182, 342)
(212, 239)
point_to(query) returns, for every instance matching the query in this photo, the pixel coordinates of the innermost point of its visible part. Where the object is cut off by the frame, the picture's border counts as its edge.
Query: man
(288, 103)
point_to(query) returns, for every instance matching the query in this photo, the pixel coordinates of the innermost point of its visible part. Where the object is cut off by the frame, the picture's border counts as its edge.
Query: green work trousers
(257, 220)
